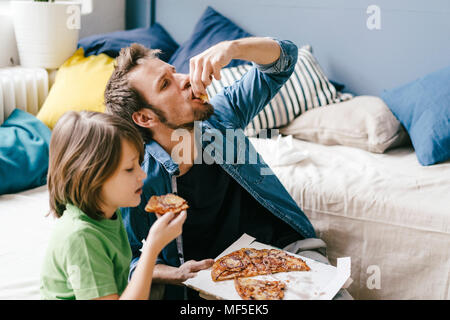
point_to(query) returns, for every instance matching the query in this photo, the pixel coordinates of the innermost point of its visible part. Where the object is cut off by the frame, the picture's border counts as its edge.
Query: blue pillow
(24, 144)
(211, 29)
(154, 37)
(423, 108)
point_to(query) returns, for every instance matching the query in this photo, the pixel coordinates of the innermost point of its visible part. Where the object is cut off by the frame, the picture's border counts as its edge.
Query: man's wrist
(167, 275)
(234, 48)
(256, 49)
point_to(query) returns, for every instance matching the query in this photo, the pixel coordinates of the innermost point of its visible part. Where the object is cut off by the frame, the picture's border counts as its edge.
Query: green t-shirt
(86, 258)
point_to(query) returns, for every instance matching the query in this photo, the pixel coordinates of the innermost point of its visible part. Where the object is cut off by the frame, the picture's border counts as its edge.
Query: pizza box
(322, 282)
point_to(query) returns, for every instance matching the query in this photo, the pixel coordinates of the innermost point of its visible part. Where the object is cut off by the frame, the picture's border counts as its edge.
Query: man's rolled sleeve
(286, 61)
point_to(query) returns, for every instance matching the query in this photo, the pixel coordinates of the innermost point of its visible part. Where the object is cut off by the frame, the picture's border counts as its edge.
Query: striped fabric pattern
(307, 88)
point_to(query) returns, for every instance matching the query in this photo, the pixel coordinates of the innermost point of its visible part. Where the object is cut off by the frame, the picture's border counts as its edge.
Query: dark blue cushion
(154, 37)
(211, 29)
(423, 108)
(24, 144)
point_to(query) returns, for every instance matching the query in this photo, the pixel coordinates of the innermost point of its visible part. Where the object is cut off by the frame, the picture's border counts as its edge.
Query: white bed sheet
(24, 233)
(386, 211)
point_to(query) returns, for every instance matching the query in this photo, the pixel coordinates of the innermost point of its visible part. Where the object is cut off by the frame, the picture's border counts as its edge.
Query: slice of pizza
(166, 203)
(280, 261)
(249, 262)
(204, 98)
(254, 289)
(230, 266)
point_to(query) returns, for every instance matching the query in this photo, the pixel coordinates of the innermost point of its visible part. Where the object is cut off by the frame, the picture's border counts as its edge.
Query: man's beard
(199, 115)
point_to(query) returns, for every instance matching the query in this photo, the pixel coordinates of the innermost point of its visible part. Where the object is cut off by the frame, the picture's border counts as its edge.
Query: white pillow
(307, 88)
(363, 122)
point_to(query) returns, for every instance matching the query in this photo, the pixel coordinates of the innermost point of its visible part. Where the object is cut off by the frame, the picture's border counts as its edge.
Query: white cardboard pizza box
(322, 282)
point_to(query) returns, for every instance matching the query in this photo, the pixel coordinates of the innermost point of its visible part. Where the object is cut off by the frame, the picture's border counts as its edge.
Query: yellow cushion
(79, 85)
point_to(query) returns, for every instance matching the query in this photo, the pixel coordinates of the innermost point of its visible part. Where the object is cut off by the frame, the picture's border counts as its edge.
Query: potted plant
(46, 31)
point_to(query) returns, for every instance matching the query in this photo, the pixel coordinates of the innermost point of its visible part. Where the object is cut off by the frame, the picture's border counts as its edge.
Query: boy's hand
(166, 228)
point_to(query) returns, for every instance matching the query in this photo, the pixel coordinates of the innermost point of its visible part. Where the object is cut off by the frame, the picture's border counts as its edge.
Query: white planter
(8, 54)
(46, 32)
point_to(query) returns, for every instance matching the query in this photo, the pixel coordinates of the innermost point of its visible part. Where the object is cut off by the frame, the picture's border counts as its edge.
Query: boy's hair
(85, 150)
(122, 99)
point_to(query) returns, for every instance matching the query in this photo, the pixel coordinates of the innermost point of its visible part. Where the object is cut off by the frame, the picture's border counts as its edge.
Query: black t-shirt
(220, 211)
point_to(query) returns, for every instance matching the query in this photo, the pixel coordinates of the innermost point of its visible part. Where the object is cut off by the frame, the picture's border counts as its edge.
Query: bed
(385, 211)
(390, 214)
(24, 233)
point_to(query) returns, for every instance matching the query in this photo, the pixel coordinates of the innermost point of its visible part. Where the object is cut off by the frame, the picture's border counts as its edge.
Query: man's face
(170, 93)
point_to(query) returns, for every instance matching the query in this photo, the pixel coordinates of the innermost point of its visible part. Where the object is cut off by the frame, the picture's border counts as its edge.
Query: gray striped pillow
(307, 88)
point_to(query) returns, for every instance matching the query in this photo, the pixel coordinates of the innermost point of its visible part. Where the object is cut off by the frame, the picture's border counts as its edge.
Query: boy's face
(124, 187)
(169, 92)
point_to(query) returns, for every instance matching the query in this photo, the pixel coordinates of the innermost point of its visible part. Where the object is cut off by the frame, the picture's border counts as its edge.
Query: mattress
(386, 211)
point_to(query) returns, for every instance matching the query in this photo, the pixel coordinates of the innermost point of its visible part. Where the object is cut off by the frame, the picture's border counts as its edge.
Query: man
(226, 198)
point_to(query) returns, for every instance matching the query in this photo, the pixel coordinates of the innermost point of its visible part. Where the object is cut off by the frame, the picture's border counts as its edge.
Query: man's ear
(145, 118)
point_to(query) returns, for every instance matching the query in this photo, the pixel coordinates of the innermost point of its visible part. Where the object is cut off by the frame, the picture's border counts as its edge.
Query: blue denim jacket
(234, 108)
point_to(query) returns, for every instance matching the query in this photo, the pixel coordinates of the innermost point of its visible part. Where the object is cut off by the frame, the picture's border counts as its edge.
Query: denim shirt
(234, 108)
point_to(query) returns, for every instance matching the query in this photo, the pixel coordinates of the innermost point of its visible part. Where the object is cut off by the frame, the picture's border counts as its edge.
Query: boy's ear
(145, 118)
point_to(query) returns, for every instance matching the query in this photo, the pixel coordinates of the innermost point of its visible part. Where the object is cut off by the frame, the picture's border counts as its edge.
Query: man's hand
(172, 275)
(209, 63)
(190, 268)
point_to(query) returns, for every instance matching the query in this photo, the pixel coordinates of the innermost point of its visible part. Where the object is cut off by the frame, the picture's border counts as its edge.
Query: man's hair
(121, 98)
(85, 150)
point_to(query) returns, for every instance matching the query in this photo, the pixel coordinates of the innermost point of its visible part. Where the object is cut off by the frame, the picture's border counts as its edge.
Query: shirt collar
(154, 149)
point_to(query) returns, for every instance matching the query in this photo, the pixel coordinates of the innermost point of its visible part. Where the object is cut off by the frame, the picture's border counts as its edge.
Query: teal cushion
(24, 145)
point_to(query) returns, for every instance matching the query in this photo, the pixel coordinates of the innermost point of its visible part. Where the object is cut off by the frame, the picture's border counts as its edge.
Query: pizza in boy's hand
(163, 204)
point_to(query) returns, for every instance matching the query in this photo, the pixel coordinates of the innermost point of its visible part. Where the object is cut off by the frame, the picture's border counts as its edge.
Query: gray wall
(107, 16)
(414, 38)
